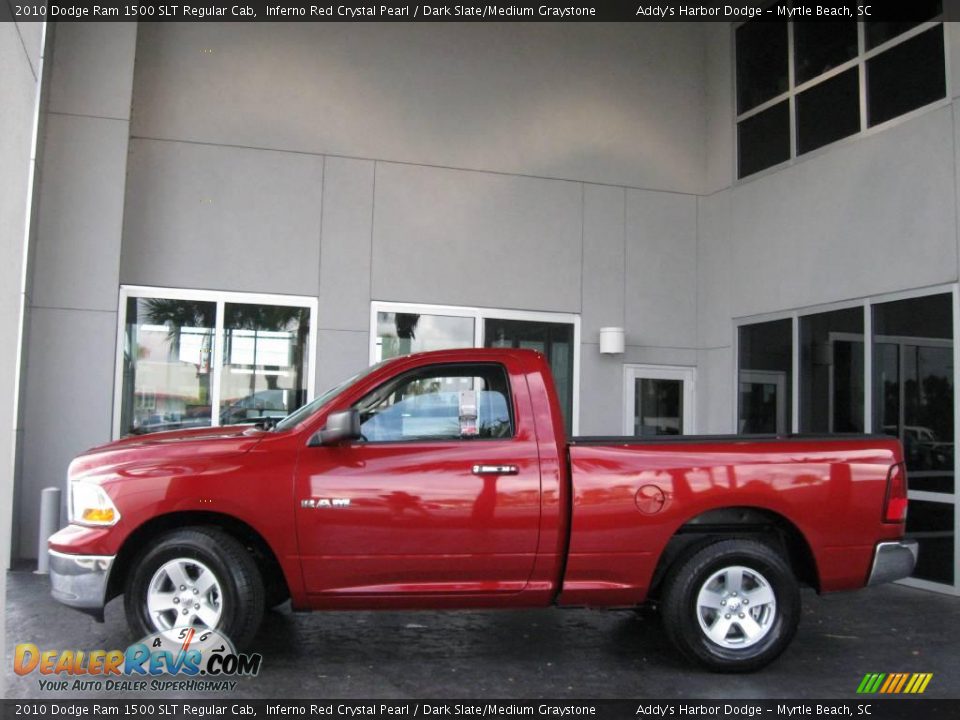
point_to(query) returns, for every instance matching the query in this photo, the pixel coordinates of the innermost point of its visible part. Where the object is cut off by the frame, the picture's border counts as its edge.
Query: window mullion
(868, 368)
(791, 83)
(862, 73)
(795, 373)
(217, 364)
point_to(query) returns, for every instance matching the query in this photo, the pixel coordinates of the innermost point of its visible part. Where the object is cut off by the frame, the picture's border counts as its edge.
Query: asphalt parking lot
(535, 653)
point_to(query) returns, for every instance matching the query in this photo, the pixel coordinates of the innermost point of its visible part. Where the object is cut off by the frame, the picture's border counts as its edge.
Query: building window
(913, 385)
(766, 355)
(832, 372)
(801, 85)
(402, 333)
(398, 329)
(200, 359)
(885, 366)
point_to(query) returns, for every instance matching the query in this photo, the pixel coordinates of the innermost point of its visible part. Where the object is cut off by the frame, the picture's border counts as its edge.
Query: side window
(443, 402)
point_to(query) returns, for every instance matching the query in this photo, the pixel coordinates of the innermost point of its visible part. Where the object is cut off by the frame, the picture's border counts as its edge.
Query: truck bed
(632, 495)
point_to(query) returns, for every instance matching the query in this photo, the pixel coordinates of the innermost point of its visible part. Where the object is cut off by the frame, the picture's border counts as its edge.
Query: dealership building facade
(212, 223)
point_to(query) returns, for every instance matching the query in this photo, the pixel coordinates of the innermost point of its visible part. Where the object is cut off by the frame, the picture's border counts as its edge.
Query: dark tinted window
(554, 340)
(878, 33)
(765, 371)
(828, 111)
(831, 372)
(764, 139)
(761, 62)
(913, 385)
(931, 524)
(906, 76)
(821, 46)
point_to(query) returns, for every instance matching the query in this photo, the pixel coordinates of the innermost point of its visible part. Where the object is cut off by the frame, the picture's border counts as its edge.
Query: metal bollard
(49, 524)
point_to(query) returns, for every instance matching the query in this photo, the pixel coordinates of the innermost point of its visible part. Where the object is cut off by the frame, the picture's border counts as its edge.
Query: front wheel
(195, 577)
(731, 606)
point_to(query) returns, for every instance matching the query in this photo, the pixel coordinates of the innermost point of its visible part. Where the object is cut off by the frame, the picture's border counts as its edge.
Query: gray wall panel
(715, 275)
(31, 36)
(872, 216)
(345, 244)
(601, 391)
(604, 213)
(80, 221)
(16, 134)
(661, 269)
(199, 216)
(468, 238)
(340, 354)
(620, 104)
(720, 151)
(69, 384)
(92, 69)
(715, 392)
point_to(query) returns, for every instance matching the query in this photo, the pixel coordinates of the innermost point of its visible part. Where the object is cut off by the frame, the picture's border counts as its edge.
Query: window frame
(480, 315)
(859, 61)
(396, 381)
(220, 298)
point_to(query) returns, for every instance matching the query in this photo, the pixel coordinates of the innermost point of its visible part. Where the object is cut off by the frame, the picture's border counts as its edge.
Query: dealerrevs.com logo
(181, 659)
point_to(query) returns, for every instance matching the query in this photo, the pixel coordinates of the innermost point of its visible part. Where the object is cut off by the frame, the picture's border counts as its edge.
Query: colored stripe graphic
(891, 680)
(903, 681)
(894, 683)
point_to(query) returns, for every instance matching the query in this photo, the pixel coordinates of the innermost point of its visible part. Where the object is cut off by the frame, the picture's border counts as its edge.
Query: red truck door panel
(431, 501)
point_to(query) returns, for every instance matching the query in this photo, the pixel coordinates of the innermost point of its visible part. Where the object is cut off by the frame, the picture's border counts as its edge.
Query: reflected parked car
(923, 449)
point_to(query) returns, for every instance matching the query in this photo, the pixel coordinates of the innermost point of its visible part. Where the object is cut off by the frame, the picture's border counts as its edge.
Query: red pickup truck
(444, 480)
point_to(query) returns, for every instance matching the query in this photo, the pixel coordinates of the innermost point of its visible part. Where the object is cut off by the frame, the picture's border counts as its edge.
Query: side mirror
(340, 427)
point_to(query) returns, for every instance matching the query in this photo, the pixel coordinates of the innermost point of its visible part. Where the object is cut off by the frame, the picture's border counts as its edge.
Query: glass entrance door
(658, 400)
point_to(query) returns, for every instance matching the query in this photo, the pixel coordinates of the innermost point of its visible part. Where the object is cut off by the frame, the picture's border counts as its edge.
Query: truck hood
(138, 455)
(228, 432)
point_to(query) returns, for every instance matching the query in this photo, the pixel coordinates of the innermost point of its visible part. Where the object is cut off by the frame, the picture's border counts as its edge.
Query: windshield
(298, 416)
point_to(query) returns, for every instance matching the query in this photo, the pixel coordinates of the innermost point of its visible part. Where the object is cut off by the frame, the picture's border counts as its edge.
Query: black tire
(738, 645)
(276, 596)
(241, 595)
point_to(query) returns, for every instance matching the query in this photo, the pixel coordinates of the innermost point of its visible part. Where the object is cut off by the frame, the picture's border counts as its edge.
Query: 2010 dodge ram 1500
(444, 480)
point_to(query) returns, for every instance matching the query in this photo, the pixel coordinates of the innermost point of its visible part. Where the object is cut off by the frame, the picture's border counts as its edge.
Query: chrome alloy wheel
(736, 607)
(184, 592)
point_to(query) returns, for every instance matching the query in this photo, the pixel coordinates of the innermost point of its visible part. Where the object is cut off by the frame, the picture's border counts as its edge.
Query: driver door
(440, 496)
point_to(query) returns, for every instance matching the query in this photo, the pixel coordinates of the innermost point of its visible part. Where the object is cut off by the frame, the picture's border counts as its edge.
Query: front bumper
(80, 581)
(893, 561)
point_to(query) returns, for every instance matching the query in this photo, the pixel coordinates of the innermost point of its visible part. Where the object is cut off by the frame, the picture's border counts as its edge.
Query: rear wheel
(195, 577)
(731, 606)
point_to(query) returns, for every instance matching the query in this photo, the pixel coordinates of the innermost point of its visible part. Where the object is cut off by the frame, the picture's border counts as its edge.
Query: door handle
(495, 470)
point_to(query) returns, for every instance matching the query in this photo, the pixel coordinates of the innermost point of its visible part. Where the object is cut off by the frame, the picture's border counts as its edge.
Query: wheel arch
(266, 559)
(739, 521)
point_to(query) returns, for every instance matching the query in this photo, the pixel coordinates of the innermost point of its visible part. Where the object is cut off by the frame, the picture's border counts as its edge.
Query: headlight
(90, 505)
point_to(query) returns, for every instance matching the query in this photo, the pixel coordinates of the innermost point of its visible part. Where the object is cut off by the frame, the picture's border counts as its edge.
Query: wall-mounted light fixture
(612, 340)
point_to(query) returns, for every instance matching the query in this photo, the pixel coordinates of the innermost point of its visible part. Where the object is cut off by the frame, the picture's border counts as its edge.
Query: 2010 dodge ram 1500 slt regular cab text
(444, 480)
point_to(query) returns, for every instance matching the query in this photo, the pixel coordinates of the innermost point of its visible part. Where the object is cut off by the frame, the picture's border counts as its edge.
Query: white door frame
(684, 373)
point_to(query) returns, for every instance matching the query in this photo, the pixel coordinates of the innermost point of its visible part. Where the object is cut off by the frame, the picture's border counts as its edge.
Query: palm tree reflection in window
(162, 392)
